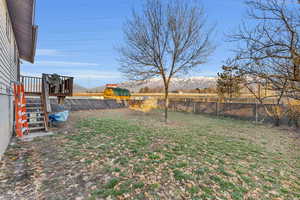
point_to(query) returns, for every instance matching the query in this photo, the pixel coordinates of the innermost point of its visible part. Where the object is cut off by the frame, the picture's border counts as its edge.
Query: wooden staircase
(37, 92)
(36, 116)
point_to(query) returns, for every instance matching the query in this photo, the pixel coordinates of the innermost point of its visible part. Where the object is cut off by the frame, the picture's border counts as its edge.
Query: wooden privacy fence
(247, 111)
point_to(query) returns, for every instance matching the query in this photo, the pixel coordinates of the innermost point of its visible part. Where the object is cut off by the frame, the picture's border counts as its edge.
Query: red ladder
(21, 126)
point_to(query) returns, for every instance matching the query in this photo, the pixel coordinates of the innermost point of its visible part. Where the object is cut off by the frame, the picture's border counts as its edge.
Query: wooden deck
(44, 87)
(62, 87)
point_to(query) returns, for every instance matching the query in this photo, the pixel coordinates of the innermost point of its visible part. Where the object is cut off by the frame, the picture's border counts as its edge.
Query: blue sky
(78, 37)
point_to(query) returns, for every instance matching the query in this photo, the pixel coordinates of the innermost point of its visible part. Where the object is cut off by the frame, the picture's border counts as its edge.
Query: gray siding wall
(8, 74)
(6, 122)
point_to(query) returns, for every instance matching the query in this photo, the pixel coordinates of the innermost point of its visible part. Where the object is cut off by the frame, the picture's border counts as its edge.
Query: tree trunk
(166, 104)
(277, 116)
(296, 123)
(277, 122)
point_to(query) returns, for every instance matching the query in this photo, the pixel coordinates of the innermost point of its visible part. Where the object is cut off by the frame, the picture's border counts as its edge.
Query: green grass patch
(137, 156)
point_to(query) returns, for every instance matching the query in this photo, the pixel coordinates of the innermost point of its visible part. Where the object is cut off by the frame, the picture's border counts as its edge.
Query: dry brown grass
(125, 154)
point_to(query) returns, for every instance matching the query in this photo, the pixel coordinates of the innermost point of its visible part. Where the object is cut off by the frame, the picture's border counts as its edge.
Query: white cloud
(82, 74)
(64, 64)
(34, 74)
(210, 73)
(47, 52)
(93, 74)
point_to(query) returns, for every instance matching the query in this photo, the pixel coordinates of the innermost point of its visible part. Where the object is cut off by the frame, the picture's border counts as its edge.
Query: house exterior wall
(9, 72)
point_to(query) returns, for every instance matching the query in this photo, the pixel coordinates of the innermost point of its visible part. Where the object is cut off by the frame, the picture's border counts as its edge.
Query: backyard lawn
(123, 154)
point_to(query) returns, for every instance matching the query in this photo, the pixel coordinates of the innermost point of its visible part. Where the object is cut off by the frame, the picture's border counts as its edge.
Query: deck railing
(62, 86)
(32, 85)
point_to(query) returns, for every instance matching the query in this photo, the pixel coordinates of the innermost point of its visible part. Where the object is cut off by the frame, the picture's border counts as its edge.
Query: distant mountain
(97, 89)
(176, 84)
(79, 89)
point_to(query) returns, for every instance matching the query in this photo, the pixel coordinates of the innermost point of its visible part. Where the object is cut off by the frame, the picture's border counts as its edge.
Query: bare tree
(268, 95)
(169, 38)
(268, 47)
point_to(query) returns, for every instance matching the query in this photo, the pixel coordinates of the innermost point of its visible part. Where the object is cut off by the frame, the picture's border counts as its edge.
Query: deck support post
(61, 100)
(45, 99)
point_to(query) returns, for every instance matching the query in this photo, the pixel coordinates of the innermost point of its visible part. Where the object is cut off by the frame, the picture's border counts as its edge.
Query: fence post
(256, 112)
(194, 109)
(217, 108)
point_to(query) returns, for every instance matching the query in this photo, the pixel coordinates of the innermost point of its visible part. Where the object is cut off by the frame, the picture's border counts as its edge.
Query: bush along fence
(247, 111)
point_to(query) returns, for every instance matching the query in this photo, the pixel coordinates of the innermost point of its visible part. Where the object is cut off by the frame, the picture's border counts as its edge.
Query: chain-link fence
(252, 111)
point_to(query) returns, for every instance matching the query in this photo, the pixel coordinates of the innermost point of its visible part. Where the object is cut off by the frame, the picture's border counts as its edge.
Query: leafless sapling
(167, 39)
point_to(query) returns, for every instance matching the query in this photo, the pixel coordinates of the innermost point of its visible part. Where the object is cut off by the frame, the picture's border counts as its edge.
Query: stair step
(33, 110)
(37, 107)
(33, 104)
(36, 122)
(36, 117)
(36, 128)
(34, 113)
